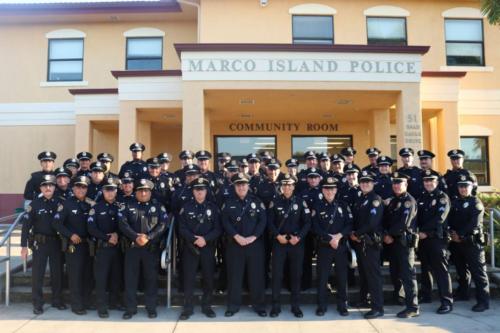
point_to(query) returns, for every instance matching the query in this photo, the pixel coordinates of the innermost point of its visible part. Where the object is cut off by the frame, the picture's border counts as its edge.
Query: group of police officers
(257, 227)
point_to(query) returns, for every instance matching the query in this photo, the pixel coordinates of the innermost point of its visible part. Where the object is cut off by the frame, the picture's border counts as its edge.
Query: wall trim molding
(386, 10)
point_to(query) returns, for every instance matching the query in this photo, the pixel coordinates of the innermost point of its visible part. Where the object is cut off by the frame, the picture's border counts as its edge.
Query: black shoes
(408, 313)
(79, 312)
(152, 314)
(261, 313)
(297, 312)
(103, 314)
(320, 312)
(38, 311)
(128, 314)
(60, 306)
(444, 309)
(209, 312)
(229, 313)
(185, 314)
(275, 312)
(343, 312)
(372, 314)
(480, 307)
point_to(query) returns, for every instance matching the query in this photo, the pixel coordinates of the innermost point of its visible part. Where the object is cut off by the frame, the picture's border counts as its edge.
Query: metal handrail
(7, 240)
(166, 262)
(493, 212)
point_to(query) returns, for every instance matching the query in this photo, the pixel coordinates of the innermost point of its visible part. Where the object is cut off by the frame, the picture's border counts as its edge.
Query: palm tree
(491, 9)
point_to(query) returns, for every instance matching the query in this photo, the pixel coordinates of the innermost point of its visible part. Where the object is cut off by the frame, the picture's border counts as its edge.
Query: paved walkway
(19, 318)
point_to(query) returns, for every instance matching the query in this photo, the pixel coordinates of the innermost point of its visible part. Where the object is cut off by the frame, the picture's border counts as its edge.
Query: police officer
(289, 222)
(425, 159)
(137, 167)
(243, 165)
(453, 175)
(226, 189)
(468, 242)
(254, 171)
(269, 188)
(383, 185)
(292, 165)
(63, 179)
(107, 159)
(244, 221)
(433, 209)
(349, 153)
(169, 177)
(203, 161)
(412, 171)
(73, 165)
(400, 236)
(366, 236)
(143, 223)
(311, 161)
(161, 191)
(84, 158)
(200, 227)
(332, 223)
(324, 163)
(310, 195)
(70, 221)
(350, 193)
(186, 158)
(126, 192)
(373, 153)
(222, 159)
(338, 167)
(103, 227)
(183, 192)
(42, 239)
(32, 188)
(94, 191)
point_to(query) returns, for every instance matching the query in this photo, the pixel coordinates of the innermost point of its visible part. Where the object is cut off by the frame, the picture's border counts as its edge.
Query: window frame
(314, 15)
(483, 64)
(487, 157)
(350, 136)
(388, 17)
(49, 60)
(143, 58)
(216, 146)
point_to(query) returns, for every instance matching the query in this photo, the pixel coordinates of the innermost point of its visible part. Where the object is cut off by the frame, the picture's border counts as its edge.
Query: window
(309, 29)
(386, 30)
(476, 157)
(320, 144)
(144, 53)
(464, 42)
(65, 60)
(240, 146)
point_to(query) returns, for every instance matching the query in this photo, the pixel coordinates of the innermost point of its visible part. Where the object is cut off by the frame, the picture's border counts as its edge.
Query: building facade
(247, 75)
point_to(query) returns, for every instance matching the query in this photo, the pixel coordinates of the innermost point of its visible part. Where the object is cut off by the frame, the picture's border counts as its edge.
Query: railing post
(492, 237)
(174, 248)
(169, 278)
(7, 275)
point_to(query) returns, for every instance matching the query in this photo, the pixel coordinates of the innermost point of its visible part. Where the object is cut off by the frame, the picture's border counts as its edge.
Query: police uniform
(183, 192)
(268, 189)
(401, 225)
(368, 212)
(209, 175)
(349, 194)
(466, 220)
(45, 245)
(453, 176)
(349, 151)
(331, 218)
(226, 188)
(179, 174)
(123, 198)
(71, 219)
(149, 218)
(413, 172)
(84, 156)
(302, 175)
(433, 209)
(383, 183)
(73, 165)
(310, 195)
(423, 154)
(102, 222)
(137, 168)
(203, 220)
(340, 175)
(32, 189)
(161, 191)
(287, 217)
(245, 217)
(107, 158)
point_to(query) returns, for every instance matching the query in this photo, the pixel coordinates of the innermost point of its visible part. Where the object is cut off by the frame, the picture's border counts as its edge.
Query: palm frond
(491, 9)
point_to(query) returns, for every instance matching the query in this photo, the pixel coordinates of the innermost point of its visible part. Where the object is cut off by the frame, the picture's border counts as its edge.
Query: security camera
(264, 3)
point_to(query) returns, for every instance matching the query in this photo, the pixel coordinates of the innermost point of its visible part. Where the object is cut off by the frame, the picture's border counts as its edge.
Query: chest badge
(209, 212)
(466, 204)
(253, 205)
(295, 206)
(433, 202)
(153, 209)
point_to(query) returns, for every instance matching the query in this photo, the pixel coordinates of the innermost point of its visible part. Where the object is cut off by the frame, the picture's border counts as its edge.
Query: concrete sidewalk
(19, 318)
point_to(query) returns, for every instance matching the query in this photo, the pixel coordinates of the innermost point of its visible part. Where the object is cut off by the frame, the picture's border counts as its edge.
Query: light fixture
(264, 3)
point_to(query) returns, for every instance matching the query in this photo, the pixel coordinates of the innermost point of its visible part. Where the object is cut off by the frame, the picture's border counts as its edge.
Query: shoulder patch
(408, 204)
(271, 204)
(92, 212)
(60, 207)
(262, 205)
(28, 209)
(313, 213)
(479, 206)
(90, 201)
(442, 200)
(376, 203)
